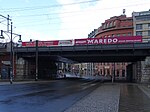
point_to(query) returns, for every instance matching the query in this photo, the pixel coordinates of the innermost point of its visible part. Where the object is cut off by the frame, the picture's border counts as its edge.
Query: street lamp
(11, 50)
(1, 36)
(36, 72)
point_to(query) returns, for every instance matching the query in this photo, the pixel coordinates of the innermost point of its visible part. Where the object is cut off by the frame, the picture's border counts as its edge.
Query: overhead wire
(42, 7)
(71, 12)
(3, 23)
(34, 15)
(67, 12)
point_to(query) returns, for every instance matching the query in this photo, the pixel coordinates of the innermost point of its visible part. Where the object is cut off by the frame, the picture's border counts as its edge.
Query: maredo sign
(110, 40)
(88, 41)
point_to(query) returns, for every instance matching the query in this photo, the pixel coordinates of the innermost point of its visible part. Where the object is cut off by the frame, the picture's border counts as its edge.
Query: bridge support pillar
(137, 72)
(21, 72)
(145, 69)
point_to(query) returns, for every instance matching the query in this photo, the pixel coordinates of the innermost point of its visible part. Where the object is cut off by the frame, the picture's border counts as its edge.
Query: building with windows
(137, 25)
(4, 62)
(141, 23)
(114, 27)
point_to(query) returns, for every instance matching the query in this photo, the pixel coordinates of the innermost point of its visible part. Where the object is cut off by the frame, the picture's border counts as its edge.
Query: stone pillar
(138, 69)
(26, 71)
(20, 68)
(134, 72)
(145, 66)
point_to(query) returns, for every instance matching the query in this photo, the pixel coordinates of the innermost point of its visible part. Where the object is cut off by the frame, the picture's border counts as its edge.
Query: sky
(62, 19)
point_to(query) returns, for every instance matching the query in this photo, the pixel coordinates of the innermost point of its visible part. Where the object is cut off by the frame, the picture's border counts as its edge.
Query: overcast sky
(63, 19)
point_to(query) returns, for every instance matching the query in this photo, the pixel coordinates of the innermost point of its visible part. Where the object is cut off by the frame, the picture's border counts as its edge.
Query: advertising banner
(86, 41)
(48, 43)
(109, 40)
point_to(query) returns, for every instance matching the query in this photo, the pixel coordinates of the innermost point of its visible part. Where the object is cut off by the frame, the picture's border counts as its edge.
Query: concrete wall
(25, 69)
(137, 72)
(20, 68)
(145, 67)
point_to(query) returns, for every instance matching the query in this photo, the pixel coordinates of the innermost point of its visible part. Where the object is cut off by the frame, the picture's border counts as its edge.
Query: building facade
(141, 23)
(114, 27)
(4, 62)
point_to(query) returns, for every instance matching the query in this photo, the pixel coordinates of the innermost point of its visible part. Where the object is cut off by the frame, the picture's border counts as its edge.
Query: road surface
(49, 96)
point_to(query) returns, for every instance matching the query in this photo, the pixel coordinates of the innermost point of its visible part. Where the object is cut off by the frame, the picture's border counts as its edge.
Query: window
(124, 34)
(148, 25)
(143, 18)
(114, 23)
(104, 72)
(107, 25)
(138, 26)
(108, 72)
(148, 32)
(117, 73)
(139, 33)
(100, 71)
(104, 26)
(111, 24)
(118, 35)
(129, 33)
(123, 73)
(113, 35)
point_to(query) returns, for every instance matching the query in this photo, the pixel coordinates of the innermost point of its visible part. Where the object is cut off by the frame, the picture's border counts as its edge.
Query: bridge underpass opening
(92, 53)
(47, 68)
(123, 68)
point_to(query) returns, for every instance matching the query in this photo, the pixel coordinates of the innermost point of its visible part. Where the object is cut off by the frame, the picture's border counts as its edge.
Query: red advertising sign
(48, 43)
(109, 40)
(87, 41)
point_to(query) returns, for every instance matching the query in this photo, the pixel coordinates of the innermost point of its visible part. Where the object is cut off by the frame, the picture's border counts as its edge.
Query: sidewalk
(106, 98)
(6, 82)
(103, 99)
(145, 88)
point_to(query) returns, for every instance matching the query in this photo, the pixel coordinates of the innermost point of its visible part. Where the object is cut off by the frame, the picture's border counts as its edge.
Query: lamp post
(36, 71)
(11, 50)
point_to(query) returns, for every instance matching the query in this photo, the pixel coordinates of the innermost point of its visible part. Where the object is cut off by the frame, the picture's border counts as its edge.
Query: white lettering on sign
(81, 42)
(65, 43)
(115, 40)
(102, 41)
